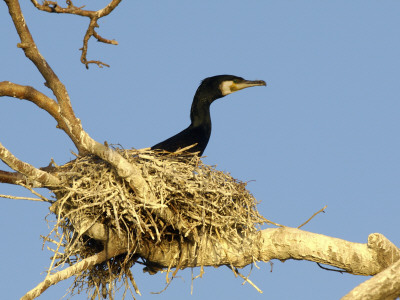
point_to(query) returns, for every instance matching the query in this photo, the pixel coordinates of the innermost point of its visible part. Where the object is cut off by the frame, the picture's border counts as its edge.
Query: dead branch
(33, 174)
(81, 139)
(94, 16)
(11, 177)
(310, 218)
(22, 198)
(10, 89)
(66, 118)
(89, 33)
(281, 243)
(68, 272)
(385, 285)
(71, 125)
(65, 121)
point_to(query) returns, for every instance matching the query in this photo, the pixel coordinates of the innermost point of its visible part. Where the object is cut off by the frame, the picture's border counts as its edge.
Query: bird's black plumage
(199, 130)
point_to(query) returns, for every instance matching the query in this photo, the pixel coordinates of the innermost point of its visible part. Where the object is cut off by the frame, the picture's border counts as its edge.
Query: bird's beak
(236, 86)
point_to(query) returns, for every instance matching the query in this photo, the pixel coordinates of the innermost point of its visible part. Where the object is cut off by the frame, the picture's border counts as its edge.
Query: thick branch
(26, 169)
(385, 285)
(274, 243)
(29, 93)
(10, 89)
(281, 243)
(11, 177)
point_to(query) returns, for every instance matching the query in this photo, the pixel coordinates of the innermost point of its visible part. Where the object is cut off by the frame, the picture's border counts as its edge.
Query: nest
(209, 201)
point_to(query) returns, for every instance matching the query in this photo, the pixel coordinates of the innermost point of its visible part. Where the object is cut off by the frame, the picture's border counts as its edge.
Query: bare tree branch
(387, 252)
(11, 177)
(26, 169)
(281, 243)
(68, 122)
(29, 93)
(385, 285)
(71, 125)
(103, 40)
(68, 272)
(53, 7)
(89, 33)
(10, 89)
(22, 198)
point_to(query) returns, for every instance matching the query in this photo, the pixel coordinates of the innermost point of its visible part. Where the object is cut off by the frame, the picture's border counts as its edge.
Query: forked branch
(71, 124)
(63, 112)
(94, 16)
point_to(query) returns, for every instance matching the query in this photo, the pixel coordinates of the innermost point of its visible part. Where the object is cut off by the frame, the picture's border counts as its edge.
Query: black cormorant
(199, 130)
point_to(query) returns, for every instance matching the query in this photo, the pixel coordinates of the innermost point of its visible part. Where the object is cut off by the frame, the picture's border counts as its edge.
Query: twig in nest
(36, 193)
(55, 256)
(169, 280)
(321, 210)
(246, 279)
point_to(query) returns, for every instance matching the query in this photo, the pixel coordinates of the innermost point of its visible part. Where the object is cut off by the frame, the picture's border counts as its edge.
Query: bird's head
(213, 88)
(222, 85)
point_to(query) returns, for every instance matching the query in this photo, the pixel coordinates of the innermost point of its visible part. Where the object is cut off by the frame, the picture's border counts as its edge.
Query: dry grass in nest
(211, 202)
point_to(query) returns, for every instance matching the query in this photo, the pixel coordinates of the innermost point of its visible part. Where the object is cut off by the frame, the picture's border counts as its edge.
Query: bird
(199, 131)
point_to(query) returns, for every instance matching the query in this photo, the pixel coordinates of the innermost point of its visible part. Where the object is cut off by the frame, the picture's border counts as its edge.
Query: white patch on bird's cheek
(225, 87)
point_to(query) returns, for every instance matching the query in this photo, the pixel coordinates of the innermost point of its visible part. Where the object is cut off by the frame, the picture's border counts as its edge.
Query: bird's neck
(200, 112)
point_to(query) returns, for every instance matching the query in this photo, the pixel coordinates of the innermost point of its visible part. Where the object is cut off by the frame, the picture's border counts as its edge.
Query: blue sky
(323, 132)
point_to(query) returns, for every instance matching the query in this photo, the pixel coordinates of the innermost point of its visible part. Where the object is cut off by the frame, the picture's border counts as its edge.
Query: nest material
(209, 201)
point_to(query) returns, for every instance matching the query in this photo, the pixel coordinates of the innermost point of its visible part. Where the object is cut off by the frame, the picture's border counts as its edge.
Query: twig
(35, 193)
(55, 256)
(271, 222)
(321, 210)
(103, 40)
(333, 270)
(246, 279)
(129, 273)
(23, 198)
